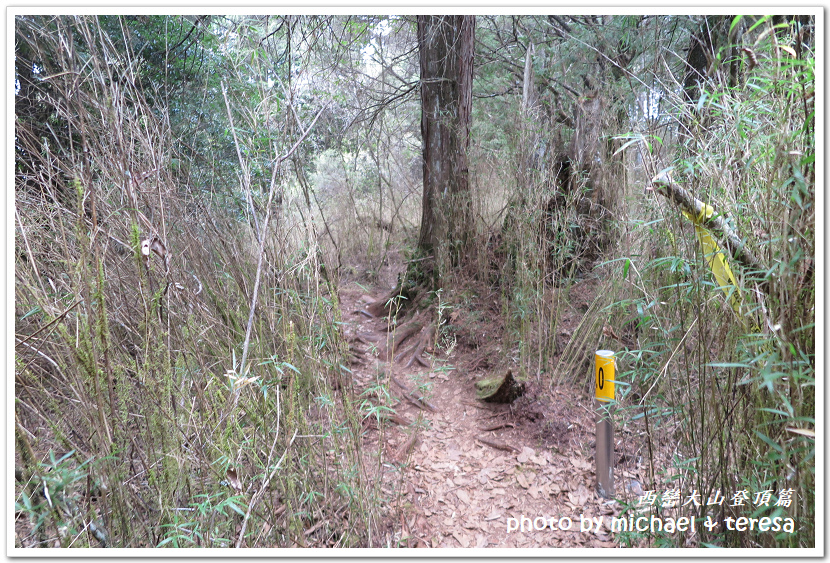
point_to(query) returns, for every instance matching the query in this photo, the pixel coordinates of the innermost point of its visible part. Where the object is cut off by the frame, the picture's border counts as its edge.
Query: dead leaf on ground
(539, 460)
(581, 464)
(580, 496)
(462, 539)
(525, 454)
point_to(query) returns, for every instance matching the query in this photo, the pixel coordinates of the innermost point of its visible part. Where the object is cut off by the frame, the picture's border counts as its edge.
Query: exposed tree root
(405, 297)
(393, 417)
(420, 361)
(414, 352)
(367, 339)
(399, 336)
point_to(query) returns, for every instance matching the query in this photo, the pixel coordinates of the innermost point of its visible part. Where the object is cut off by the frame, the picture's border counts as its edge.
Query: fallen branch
(494, 415)
(715, 222)
(498, 426)
(498, 445)
(315, 527)
(394, 417)
(479, 406)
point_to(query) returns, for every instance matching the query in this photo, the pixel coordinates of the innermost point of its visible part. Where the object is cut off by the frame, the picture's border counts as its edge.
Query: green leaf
(775, 411)
(34, 311)
(701, 101)
(759, 22)
(286, 364)
(235, 508)
(769, 442)
(632, 142)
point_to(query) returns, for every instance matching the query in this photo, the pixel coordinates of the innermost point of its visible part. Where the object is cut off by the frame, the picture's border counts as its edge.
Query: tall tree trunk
(701, 60)
(446, 58)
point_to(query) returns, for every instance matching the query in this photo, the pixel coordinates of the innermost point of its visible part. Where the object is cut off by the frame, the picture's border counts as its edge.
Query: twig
(262, 237)
(498, 426)
(50, 323)
(44, 356)
(498, 445)
(479, 406)
(561, 22)
(241, 161)
(314, 528)
(262, 490)
(33, 261)
(266, 481)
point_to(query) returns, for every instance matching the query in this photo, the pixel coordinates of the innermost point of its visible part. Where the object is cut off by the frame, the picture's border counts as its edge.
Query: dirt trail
(462, 472)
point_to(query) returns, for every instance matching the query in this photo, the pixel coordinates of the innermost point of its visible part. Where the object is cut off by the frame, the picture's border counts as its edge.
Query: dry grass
(130, 362)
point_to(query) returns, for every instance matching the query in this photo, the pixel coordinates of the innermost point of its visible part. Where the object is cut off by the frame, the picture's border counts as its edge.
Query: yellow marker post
(604, 375)
(604, 392)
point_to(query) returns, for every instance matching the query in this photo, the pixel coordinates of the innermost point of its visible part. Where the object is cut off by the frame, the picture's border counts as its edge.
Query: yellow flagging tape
(714, 256)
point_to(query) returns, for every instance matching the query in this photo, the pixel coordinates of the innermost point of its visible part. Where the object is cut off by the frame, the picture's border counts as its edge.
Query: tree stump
(500, 389)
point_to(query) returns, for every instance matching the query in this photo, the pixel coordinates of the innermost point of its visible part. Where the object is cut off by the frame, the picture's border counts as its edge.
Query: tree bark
(446, 59)
(701, 61)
